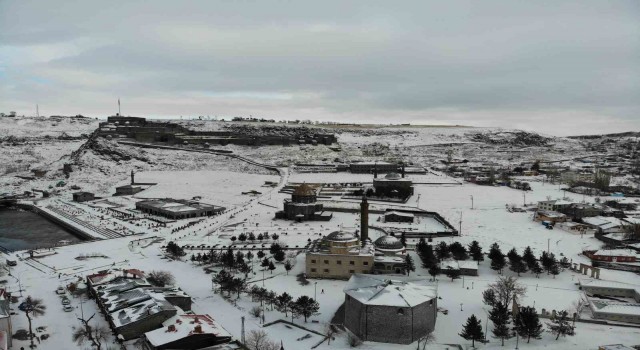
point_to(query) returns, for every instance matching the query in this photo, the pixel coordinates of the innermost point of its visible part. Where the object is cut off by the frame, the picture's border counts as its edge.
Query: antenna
(119, 113)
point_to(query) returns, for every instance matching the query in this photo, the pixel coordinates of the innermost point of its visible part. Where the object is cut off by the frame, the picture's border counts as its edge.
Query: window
(365, 263)
(339, 262)
(400, 311)
(352, 262)
(326, 270)
(431, 302)
(352, 271)
(313, 261)
(313, 270)
(326, 262)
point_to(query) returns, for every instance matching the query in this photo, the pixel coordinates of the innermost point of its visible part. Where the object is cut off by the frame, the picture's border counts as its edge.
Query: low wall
(71, 228)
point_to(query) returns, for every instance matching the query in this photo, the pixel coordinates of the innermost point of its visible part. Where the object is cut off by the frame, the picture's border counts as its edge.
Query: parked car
(67, 308)
(60, 290)
(65, 301)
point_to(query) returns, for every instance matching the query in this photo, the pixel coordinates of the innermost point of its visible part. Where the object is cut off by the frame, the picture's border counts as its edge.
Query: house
(578, 211)
(466, 267)
(187, 332)
(550, 216)
(398, 310)
(613, 301)
(83, 196)
(397, 216)
(371, 167)
(605, 224)
(554, 205)
(127, 190)
(612, 255)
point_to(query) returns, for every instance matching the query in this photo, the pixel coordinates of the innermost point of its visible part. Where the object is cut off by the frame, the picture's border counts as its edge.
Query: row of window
(339, 262)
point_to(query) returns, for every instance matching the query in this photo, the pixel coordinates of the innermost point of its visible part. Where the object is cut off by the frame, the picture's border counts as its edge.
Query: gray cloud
(534, 65)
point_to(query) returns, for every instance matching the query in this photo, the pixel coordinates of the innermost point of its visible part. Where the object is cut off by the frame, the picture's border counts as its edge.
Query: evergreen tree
(260, 254)
(242, 237)
(271, 266)
(275, 247)
(554, 270)
(425, 253)
(498, 262)
(561, 325)
(529, 258)
(279, 256)
(537, 269)
(513, 255)
(452, 273)
(515, 262)
(476, 251)
(494, 251)
(434, 271)
(442, 251)
(265, 263)
(472, 330)
(528, 324)
(306, 307)
(458, 251)
(410, 266)
(500, 316)
(403, 239)
(288, 266)
(283, 303)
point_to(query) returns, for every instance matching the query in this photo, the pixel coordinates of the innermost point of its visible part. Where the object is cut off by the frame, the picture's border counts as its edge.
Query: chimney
(197, 329)
(375, 170)
(364, 220)
(171, 328)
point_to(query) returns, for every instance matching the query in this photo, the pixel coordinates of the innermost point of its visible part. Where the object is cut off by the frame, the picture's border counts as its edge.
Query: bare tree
(504, 290)
(424, 340)
(86, 333)
(161, 278)
(258, 340)
(632, 231)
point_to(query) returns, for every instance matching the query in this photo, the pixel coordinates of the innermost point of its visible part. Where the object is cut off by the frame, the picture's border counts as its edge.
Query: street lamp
(315, 291)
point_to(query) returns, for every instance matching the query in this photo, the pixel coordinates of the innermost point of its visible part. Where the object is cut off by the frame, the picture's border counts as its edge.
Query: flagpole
(119, 113)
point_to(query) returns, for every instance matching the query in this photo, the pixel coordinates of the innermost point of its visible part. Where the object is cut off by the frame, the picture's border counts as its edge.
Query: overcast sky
(557, 67)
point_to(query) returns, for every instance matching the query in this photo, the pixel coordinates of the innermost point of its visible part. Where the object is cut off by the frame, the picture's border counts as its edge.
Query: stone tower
(364, 220)
(132, 181)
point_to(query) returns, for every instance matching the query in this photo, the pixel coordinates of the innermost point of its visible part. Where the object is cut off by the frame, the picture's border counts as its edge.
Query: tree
(529, 258)
(160, 278)
(434, 271)
(494, 250)
(513, 255)
(283, 303)
(174, 250)
(410, 266)
(631, 231)
(403, 239)
(537, 269)
(498, 263)
(561, 325)
(242, 237)
(516, 264)
(271, 266)
(472, 330)
(549, 262)
(275, 247)
(425, 253)
(260, 254)
(238, 285)
(528, 324)
(224, 280)
(252, 236)
(442, 251)
(244, 268)
(306, 307)
(458, 251)
(279, 256)
(452, 273)
(506, 289)
(258, 340)
(33, 308)
(288, 266)
(265, 262)
(86, 333)
(500, 316)
(476, 251)
(227, 258)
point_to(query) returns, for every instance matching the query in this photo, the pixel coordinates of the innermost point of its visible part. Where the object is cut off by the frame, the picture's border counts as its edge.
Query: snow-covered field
(220, 181)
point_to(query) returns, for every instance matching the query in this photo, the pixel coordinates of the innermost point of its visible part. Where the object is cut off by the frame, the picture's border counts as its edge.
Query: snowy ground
(220, 181)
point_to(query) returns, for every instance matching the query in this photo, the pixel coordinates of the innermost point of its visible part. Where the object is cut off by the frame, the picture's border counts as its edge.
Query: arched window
(400, 311)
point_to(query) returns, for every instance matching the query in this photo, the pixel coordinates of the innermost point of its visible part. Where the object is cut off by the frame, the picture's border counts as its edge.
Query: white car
(67, 308)
(60, 290)
(65, 301)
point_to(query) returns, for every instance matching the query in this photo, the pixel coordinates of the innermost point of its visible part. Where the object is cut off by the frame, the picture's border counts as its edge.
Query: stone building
(397, 311)
(178, 208)
(373, 167)
(390, 255)
(83, 196)
(393, 185)
(339, 255)
(127, 190)
(303, 206)
(398, 216)
(187, 332)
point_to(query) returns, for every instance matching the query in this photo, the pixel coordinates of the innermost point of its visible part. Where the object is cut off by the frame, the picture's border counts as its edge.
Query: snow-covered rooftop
(378, 290)
(181, 326)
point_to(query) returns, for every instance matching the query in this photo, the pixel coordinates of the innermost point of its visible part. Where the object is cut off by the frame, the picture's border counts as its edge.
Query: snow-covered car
(65, 301)
(60, 290)
(67, 308)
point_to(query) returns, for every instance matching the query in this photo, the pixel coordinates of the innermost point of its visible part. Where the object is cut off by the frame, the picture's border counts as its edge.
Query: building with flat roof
(178, 208)
(398, 310)
(187, 332)
(83, 196)
(127, 190)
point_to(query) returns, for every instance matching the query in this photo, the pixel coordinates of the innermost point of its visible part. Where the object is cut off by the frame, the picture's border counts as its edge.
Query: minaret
(402, 171)
(364, 220)
(132, 181)
(375, 170)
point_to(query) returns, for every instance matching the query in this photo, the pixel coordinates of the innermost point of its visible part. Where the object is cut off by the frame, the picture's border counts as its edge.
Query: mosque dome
(388, 243)
(304, 190)
(341, 236)
(393, 176)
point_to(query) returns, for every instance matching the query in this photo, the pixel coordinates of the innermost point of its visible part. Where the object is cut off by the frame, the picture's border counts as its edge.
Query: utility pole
(471, 201)
(37, 111)
(460, 230)
(242, 331)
